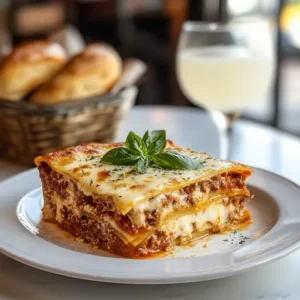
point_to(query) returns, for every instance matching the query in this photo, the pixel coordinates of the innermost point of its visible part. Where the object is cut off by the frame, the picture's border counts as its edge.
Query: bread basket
(28, 130)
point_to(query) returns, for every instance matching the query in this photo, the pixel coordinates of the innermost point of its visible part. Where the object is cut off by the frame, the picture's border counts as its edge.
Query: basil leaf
(146, 137)
(155, 141)
(120, 156)
(135, 144)
(142, 164)
(175, 160)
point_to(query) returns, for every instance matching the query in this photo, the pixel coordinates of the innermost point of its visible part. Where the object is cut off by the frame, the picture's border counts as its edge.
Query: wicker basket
(28, 130)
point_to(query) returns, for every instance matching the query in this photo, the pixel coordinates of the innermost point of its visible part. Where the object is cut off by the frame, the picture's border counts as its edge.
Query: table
(252, 144)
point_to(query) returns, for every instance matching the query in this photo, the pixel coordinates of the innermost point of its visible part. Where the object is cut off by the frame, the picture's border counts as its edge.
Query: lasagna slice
(134, 214)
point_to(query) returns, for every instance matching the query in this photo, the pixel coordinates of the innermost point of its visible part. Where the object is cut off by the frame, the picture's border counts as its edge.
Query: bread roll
(29, 65)
(92, 72)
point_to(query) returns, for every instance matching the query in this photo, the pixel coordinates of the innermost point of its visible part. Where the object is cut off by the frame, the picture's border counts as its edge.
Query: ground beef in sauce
(102, 236)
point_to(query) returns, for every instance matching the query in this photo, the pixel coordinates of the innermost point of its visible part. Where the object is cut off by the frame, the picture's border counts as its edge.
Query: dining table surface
(253, 144)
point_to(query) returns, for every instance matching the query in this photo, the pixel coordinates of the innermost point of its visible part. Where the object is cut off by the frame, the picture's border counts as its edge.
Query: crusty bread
(29, 65)
(92, 72)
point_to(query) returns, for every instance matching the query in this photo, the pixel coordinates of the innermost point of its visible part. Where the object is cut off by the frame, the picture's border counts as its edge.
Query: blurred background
(149, 30)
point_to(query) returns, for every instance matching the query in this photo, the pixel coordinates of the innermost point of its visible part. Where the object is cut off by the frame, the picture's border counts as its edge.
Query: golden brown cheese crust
(61, 157)
(29, 65)
(92, 72)
(122, 184)
(65, 156)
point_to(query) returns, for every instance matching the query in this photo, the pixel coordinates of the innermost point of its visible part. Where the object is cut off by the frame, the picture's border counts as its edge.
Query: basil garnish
(135, 144)
(149, 151)
(175, 160)
(120, 156)
(143, 164)
(155, 141)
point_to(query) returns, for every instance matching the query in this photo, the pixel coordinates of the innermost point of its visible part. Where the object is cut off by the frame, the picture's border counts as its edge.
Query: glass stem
(224, 123)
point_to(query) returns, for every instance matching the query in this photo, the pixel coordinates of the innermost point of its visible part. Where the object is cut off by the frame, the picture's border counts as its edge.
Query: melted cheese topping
(123, 184)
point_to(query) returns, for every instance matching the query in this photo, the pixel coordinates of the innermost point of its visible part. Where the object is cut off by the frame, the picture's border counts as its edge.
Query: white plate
(275, 233)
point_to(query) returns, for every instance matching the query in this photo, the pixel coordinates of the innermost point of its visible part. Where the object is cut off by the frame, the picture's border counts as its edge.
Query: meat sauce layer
(143, 219)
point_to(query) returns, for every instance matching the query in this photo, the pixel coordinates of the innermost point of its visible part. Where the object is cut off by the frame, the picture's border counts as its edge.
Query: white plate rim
(153, 278)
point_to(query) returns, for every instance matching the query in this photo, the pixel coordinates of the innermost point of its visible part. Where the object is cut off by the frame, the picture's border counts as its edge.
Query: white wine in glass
(224, 68)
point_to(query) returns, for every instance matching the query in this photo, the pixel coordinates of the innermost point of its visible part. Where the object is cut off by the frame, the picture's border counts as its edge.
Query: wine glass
(224, 68)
